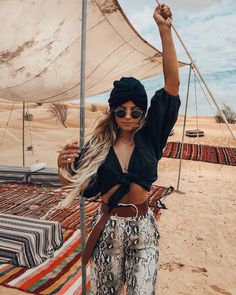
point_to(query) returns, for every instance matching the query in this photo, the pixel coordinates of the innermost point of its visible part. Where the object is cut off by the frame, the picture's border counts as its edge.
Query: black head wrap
(128, 88)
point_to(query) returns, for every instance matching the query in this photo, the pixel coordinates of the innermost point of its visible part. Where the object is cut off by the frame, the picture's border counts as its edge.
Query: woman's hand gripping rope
(162, 15)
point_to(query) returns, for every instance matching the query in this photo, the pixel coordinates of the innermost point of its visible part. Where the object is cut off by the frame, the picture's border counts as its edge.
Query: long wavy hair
(103, 136)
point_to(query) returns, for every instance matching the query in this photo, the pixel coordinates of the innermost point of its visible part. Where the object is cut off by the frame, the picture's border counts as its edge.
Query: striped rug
(205, 153)
(60, 275)
(27, 200)
(28, 241)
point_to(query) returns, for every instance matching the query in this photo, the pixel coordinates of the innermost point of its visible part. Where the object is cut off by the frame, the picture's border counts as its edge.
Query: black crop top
(149, 144)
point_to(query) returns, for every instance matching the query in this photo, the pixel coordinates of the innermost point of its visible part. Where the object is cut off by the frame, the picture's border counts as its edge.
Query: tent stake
(201, 77)
(82, 126)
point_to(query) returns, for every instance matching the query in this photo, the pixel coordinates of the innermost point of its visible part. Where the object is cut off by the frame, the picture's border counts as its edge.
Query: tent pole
(185, 116)
(23, 134)
(201, 77)
(82, 126)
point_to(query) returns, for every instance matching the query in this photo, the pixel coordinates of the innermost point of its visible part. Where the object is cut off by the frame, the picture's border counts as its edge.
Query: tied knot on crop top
(125, 179)
(150, 141)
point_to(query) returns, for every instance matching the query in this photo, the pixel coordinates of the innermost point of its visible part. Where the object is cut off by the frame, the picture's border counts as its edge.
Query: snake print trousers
(127, 252)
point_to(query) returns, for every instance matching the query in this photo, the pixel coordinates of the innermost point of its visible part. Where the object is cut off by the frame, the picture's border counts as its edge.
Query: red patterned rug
(205, 153)
(36, 201)
(60, 275)
(27, 200)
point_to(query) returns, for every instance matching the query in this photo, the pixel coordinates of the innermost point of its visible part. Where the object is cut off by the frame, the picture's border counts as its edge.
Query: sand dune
(197, 245)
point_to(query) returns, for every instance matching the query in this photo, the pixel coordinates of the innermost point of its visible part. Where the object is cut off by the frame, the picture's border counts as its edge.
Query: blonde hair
(97, 147)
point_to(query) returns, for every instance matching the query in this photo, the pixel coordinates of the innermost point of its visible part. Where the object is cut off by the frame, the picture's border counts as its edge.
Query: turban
(128, 88)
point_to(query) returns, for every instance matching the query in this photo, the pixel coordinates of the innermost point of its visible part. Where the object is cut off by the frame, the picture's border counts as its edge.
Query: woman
(120, 162)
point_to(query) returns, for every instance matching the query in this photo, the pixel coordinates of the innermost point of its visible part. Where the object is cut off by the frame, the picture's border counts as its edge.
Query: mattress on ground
(27, 241)
(23, 174)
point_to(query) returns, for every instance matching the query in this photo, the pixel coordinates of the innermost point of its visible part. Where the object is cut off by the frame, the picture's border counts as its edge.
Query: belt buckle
(126, 205)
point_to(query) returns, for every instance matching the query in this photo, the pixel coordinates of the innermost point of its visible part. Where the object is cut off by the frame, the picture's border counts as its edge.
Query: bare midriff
(136, 195)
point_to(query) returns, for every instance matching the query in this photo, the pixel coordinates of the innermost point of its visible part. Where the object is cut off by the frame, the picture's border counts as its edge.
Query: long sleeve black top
(149, 144)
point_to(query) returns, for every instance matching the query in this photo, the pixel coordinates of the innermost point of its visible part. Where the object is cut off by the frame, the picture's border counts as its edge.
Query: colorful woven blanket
(36, 201)
(60, 275)
(28, 241)
(205, 153)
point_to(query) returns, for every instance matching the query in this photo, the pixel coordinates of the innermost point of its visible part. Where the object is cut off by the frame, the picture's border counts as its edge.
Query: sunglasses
(121, 113)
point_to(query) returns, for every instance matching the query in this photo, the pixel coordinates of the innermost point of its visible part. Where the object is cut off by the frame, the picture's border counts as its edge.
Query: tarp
(40, 49)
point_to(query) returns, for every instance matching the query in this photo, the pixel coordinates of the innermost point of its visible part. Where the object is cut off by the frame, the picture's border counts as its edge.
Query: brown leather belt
(123, 210)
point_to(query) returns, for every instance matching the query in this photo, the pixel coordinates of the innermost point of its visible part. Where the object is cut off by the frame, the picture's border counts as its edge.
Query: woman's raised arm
(170, 63)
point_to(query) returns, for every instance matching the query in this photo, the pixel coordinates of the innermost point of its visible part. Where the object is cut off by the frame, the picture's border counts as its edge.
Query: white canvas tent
(40, 49)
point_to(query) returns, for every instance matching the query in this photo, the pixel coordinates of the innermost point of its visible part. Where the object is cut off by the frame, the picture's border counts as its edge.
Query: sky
(208, 31)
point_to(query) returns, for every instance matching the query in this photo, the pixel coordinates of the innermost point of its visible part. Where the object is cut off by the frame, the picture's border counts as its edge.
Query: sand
(197, 244)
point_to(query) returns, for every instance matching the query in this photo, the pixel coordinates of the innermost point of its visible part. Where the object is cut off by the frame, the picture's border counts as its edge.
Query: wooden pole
(82, 126)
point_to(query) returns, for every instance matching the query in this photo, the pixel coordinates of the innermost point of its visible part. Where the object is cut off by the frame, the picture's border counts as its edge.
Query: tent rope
(204, 92)
(185, 116)
(200, 76)
(29, 126)
(196, 103)
(195, 97)
(8, 120)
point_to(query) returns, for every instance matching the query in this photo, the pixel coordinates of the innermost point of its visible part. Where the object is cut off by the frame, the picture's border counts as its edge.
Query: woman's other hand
(161, 15)
(68, 154)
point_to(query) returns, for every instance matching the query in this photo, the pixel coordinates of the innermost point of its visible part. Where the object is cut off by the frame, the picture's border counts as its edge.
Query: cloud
(211, 41)
(143, 19)
(208, 30)
(191, 5)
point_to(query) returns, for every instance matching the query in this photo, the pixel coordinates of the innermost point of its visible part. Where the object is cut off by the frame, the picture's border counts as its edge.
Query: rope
(30, 134)
(195, 96)
(199, 83)
(201, 77)
(185, 116)
(7, 122)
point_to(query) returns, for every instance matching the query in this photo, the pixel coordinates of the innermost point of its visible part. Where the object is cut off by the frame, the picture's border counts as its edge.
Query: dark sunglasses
(121, 113)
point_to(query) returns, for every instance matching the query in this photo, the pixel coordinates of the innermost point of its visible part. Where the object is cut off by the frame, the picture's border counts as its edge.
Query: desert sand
(197, 244)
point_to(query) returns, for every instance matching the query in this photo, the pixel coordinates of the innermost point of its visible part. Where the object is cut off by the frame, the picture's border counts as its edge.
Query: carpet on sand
(60, 275)
(199, 152)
